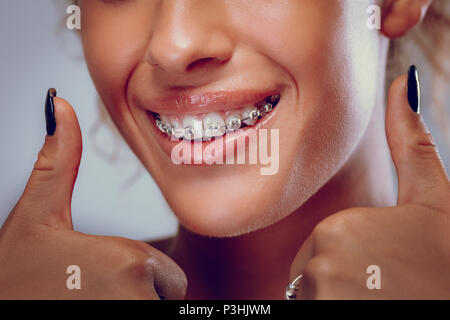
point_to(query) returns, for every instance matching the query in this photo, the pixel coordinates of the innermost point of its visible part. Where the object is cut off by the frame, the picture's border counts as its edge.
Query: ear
(400, 16)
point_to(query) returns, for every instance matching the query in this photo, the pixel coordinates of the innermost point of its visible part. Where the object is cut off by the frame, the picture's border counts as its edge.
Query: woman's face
(196, 63)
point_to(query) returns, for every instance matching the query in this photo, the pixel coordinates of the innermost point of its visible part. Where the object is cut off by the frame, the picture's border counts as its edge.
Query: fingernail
(50, 112)
(414, 89)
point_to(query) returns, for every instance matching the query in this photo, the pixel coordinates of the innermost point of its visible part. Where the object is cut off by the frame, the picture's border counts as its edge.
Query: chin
(228, 201)
(221, 214)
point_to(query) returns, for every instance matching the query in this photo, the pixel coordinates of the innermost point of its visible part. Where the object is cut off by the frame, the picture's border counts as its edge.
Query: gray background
(114, 195)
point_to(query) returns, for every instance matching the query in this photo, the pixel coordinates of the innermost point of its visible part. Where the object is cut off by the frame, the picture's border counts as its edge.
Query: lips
(215, 123)
(211, 125)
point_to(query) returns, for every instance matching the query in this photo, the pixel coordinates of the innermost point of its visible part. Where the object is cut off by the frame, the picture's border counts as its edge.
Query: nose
(188, 35)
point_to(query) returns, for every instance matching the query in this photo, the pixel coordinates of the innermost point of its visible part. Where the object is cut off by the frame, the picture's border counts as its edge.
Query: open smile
(214, 124)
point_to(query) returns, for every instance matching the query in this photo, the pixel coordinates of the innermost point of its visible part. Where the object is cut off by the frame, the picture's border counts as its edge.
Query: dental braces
(232, 123)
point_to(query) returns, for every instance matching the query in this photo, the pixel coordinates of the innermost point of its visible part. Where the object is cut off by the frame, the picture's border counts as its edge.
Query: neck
(256, 265)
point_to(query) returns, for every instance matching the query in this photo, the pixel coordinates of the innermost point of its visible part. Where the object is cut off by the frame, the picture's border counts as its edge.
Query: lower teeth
(232, 123)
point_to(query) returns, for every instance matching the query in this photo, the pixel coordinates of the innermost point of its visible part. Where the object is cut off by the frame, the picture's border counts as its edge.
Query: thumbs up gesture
(408, 244)
(38, 244)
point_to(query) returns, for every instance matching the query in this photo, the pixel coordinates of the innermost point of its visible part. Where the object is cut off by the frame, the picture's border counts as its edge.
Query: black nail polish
(50, 112)
(414, 89)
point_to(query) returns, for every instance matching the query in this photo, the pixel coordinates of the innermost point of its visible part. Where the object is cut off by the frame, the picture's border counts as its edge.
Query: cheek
(310, 41)
(114, 46)
(112, 50)
(333, 64)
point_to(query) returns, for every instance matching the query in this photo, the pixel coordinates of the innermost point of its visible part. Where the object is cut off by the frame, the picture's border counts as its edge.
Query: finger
(297, 288)
(170, 281)
(48, 193)
(305, 254)
(421, 174)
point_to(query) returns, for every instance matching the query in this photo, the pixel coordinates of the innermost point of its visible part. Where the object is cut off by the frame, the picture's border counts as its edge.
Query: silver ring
(292, 288)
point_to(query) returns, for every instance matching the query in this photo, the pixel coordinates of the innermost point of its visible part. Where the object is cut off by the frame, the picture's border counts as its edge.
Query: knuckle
(169, 279)
(136, 267)
(152, 273)
(422, 146)
(331, 228)
(319, 269)
(43, 162)
(339, 228)
(131, 259)
(46, 164)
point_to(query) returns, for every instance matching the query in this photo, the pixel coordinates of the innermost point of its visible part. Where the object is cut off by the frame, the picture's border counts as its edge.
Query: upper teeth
(213, 124)
(234, 122)
(250, 115)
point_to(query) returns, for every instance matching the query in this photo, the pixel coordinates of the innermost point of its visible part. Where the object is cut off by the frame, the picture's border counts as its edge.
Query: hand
(410, 242)
(38, 243)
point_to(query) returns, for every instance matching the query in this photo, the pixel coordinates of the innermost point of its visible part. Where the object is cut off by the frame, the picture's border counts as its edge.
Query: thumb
(421, 174)
(48, 193)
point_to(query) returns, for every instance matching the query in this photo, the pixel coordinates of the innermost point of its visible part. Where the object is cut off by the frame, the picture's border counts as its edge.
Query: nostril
(201, 63)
